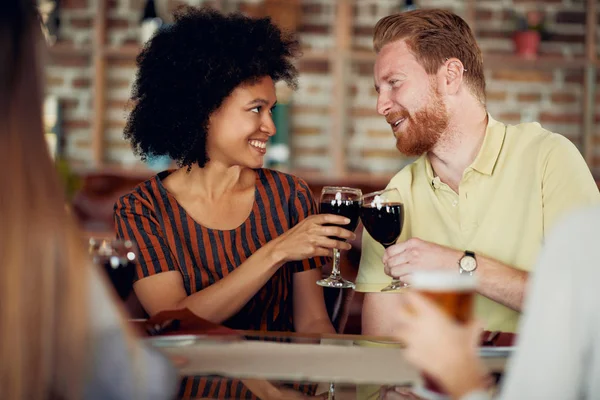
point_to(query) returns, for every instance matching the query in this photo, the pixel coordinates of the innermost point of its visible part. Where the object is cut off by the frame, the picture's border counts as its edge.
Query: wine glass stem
(335, 270)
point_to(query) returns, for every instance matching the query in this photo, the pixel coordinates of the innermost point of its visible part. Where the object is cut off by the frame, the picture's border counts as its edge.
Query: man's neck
(459, 145)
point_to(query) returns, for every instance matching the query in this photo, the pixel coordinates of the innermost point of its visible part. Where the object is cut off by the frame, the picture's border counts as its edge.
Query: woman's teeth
(258, 144)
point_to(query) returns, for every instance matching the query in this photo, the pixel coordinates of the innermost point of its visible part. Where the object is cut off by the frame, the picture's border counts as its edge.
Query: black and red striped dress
(170, 240)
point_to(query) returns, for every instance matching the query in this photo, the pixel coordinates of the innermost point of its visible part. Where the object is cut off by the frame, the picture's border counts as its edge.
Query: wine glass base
(395, 286)
(338, 283)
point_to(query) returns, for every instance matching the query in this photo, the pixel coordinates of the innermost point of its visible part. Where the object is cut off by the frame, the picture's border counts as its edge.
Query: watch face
(468, 263)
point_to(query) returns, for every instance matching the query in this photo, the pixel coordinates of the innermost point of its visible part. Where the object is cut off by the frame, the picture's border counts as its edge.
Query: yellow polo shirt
(523, 179)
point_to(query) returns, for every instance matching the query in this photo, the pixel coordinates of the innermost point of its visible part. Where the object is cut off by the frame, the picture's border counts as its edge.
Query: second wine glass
(346, 202)
(382, 214)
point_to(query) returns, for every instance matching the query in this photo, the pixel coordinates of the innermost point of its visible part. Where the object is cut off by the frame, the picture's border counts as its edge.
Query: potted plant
(530, 30)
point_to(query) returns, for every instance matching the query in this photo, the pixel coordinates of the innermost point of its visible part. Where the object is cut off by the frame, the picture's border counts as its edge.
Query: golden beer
(453, 292)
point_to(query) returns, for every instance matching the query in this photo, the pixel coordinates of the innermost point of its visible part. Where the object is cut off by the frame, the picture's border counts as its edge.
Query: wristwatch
(467, 263)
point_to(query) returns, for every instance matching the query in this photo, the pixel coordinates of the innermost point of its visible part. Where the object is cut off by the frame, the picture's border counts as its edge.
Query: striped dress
(170, 240)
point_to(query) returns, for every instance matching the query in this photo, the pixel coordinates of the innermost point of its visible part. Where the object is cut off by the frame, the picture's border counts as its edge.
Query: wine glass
(346, 202)
(382, 214)
(118, 258)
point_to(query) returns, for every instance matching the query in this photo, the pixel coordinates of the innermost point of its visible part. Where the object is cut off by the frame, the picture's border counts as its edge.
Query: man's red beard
(424, 128)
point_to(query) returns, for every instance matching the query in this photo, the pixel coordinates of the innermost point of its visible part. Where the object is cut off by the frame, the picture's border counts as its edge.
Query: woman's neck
(212, 181)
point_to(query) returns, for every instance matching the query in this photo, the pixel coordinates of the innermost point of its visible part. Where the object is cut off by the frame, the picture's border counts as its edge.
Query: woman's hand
(311, 238)
(442, 348)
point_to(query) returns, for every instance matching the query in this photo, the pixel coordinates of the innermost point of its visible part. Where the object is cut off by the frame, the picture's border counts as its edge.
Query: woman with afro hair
(236, 244)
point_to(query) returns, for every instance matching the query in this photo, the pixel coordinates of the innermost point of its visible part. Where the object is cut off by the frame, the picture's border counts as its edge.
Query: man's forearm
(501, 283)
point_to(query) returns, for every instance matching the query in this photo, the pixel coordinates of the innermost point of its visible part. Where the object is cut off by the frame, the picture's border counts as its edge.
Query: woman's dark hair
(186, 71)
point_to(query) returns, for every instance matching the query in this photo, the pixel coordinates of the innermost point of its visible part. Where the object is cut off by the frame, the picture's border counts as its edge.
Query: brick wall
(551, 95)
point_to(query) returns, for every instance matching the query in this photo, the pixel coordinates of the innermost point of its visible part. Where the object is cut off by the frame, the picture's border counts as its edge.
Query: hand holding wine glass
(346, 202)
(314, 236)
(382, 214)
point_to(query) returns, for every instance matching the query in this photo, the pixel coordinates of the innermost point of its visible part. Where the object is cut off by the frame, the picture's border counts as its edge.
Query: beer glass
(454, 293)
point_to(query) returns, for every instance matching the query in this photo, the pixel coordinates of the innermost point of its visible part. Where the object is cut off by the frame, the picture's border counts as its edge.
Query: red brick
(315, 9)
(81, 23)
(574, 77)
(567, 38)
(563, 98)
(81, 83)
(529, 97)
(116, 83)
(115, 124)
(570, 17)
(483, 15)
(510, 117)
(364, 112)
(69, 104)
(76, 124)
(54, 81)
(121, 62)
(254, 10)
(484, 34)
(392, 152)
(496, 96)
(119, 104)
(318, 67)
(68, 60)
(523, 76)
(306, 131)
(319, 151)
(302, 109)
(364, 69)
(74, 4)
(363, 31)
(310, 28)
(82, 144)
(117, 23)
(547, 117)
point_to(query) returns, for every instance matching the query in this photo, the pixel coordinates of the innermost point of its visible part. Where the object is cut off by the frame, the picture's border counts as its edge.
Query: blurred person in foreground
(558, 346)
(482, 195)
(235, 243)
(61, 336)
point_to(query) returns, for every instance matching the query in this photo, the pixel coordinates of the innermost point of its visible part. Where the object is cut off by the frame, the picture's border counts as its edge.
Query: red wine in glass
(118, 259)
(346, 202)
(346, 208)
(382, 214)
(384, 224)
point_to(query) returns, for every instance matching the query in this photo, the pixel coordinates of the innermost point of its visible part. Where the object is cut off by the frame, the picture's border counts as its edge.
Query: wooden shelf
(128, 51)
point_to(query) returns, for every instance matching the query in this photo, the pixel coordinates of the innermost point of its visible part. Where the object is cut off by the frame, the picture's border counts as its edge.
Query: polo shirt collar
(488, 154)
(490, 148)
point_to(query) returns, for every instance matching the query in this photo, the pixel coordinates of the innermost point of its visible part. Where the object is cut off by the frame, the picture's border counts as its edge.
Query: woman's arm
(310, 314)
(161, 285)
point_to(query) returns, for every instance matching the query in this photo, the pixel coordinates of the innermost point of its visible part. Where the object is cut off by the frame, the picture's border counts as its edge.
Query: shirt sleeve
(567, 183)
(556, 335)
(303, 206)
(135, 221)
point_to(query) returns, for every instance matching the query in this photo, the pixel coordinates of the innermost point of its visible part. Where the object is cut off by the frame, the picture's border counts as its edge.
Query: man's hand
(416, 254)
(442, 348)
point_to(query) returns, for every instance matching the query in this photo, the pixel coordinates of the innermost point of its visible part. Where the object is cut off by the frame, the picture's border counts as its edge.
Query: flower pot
(527, 43)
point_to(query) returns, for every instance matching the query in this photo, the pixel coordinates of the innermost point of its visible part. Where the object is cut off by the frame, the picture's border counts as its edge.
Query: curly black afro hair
(186, 71)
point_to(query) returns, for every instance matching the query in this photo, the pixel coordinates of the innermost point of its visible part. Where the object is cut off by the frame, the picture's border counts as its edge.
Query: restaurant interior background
(328, 131)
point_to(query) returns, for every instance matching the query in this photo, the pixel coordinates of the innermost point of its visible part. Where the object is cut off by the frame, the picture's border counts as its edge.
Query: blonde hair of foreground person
(44, 291)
